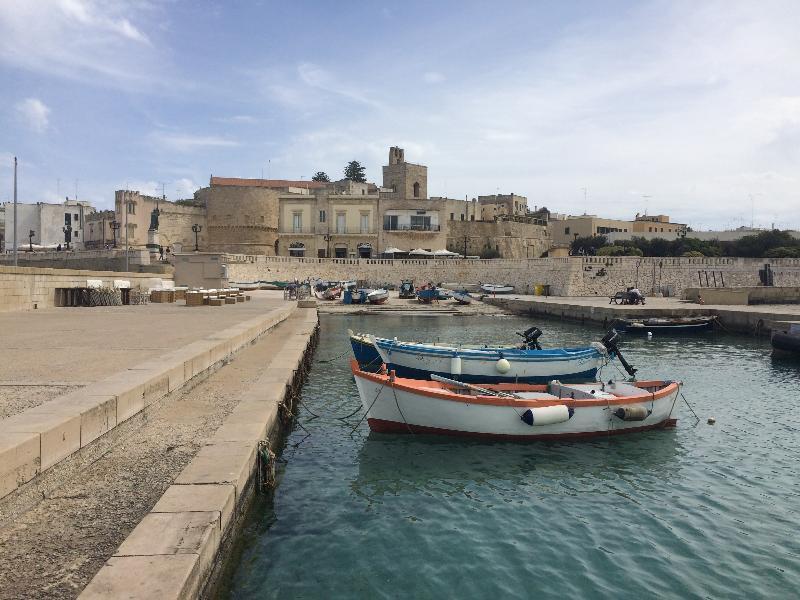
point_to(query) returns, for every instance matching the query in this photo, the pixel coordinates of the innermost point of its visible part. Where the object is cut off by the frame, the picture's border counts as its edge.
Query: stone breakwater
(574, 276)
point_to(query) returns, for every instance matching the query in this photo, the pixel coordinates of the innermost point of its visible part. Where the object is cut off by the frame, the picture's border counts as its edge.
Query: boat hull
(643, 327)
(393, 408)
(378, 297)
(462, 297)
(420, 361)
(497, 289)
(786, 343)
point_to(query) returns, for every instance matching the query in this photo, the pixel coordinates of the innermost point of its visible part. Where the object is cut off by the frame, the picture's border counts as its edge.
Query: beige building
(98, 231)
(498, 206)
(133, 212)
(564, 229)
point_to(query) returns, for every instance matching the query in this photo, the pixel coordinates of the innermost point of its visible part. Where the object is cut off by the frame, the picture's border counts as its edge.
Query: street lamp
(115, 225)
(67, 229)
(31, 233)
(197, 229)
(327, 238)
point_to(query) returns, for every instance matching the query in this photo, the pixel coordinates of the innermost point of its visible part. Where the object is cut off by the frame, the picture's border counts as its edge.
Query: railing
(411, 227)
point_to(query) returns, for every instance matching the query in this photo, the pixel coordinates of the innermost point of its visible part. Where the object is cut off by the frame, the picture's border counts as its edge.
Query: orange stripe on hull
(383, 426)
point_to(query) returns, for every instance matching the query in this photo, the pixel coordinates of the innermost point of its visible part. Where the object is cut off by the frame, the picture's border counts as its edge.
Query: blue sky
(686, 108)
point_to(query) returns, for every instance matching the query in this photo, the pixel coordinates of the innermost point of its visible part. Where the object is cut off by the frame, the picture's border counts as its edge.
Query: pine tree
(355, 172)
(320, 176)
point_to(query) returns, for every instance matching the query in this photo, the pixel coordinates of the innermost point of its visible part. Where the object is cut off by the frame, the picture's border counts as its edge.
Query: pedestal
(153, 244)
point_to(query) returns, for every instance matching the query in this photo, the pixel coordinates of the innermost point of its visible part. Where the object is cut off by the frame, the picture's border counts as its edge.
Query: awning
(420, 252)
(445, 253)
(394, 251)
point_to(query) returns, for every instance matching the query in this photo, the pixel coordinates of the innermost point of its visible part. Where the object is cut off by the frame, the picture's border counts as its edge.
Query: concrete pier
(179, 415)
(756, 319)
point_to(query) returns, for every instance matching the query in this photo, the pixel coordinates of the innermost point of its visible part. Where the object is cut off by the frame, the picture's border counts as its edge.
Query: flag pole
(15, 212)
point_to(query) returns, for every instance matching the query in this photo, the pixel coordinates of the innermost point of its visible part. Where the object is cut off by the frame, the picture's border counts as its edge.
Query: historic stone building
(51, 224)
(175, 221)
(98, 231)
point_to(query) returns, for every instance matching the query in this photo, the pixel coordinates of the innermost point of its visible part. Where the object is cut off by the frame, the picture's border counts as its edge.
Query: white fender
(455, 365)
(503, 366)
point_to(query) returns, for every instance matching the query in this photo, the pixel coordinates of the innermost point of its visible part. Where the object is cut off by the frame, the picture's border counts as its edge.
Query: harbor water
(700, 511)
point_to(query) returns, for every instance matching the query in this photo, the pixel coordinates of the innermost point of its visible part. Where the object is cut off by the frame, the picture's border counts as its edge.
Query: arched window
(416, 189)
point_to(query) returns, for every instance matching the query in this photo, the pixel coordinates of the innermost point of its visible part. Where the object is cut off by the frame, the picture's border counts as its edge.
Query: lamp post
(67, 229)
(115, 225)
(327, 238)
(31, 233)
(197, 229)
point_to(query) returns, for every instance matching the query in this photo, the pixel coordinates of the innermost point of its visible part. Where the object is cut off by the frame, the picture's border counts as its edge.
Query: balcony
(352, 231)
(298, 230)
(388, 227)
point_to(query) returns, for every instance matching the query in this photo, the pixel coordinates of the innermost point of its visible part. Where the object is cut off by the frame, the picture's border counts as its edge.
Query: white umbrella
(394, 251)
(445, 253)
(420, 252)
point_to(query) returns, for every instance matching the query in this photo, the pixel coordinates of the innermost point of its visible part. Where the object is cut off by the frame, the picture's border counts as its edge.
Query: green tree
(355, 172)
(588, 245)
(320, 176)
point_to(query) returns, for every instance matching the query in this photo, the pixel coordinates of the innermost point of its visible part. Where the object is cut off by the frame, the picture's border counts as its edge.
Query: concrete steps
(173, 550)
(39, 438)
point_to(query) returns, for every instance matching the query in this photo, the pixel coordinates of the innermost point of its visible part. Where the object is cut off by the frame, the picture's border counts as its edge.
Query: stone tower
(407, 180)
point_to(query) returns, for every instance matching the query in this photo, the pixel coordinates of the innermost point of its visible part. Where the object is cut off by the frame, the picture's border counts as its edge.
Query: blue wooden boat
(527, 363)
(462, 297)
(407, 289)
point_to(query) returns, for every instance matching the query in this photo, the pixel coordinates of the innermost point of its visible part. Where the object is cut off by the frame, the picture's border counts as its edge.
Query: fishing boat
(378, 296)
(407, 289)
(786, 339)
(429, 293)
(664, 325)
(491, 288)
(527, 363)
(462, 297)
(514, 411)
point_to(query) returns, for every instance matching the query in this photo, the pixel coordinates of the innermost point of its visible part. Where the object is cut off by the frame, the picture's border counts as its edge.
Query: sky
(690, 109)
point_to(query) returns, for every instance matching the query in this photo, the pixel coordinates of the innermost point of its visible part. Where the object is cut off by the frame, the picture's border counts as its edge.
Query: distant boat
(491, 288)
(378, 296)
(513, 411)
(664, 325)
(428, 294)
(462, 297)
(407, 289)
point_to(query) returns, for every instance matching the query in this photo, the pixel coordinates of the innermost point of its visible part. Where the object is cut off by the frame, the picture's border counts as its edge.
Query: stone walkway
(57, 347)
(55, 548)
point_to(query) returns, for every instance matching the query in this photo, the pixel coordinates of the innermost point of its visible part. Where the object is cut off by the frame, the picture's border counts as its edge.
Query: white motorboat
(514, 411)
(378, 296)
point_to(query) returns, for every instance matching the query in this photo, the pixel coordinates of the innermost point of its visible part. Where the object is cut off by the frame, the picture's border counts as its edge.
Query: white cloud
(34, 113)
(433, 77)
(79, 39)
(185, 142)
(246, 119)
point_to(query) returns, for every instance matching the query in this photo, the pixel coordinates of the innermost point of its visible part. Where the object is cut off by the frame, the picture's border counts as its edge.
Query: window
(297, 222)
(416, 190)
(75, 235)
(462, 216)
(472, 217)
(390, 222)
(650, 229)
(340, 252)
(131, 208)
(566, 230)
(420, 222)
(365, 223)
(340, 223)
(322, 216)
(452, 216)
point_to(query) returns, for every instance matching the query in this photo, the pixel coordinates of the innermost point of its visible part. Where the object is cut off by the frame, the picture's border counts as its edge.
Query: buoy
(455, 365)
(711, 420)
(649, 335)
(547, 415)
(503, 366)
(632, 413)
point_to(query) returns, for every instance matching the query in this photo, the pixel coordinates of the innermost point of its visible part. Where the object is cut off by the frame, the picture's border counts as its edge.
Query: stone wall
(174, 222)
(574, 276)
(510, 238)
(25, 288)
(93, 260)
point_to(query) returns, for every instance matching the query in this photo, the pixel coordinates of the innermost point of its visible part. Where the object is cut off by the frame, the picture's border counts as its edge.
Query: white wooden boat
(491, 288)
(378, 296)
(514, 411)
(462, 297)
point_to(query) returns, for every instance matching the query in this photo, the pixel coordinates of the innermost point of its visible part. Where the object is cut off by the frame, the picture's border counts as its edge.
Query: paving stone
(20, 459)
(199, 498)
(175, 576)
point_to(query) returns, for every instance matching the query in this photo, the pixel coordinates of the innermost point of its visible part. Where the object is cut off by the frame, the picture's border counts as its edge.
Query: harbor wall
(572, 276)
(93, 260)
(26, 288)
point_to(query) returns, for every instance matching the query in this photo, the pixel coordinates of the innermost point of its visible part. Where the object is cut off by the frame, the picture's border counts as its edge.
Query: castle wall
(240, 219)
(510, 238)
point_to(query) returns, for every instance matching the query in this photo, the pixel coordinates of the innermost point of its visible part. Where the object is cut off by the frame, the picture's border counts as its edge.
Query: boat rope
(330, 360)
(397, 403)
(690, 407)
(374, 400)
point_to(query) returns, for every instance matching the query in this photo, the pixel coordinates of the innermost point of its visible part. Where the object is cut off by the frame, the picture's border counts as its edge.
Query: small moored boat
(786, 339)
(664, 325)
(462, 297)
(491, 288)
(378, 296)
(514, 411)
(407, 289)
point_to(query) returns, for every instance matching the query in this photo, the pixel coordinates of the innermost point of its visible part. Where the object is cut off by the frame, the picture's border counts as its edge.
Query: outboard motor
(610, 340)
(531, 337)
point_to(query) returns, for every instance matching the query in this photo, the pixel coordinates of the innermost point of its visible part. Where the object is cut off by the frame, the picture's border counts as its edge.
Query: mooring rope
(690, 407)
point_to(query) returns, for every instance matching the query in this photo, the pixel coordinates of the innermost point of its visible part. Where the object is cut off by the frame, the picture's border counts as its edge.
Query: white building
(51, 224)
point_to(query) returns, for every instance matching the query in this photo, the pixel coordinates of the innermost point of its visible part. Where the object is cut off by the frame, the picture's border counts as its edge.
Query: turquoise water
(700, 511)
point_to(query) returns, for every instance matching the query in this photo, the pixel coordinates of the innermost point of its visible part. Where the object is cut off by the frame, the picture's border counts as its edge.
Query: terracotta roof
(267, 183)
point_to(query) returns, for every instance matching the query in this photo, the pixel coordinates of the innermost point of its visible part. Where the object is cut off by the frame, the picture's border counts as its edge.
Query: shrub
(782, 252)
(693, 254)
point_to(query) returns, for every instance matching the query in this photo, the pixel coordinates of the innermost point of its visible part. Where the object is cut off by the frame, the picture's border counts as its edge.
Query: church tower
(407, 181)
